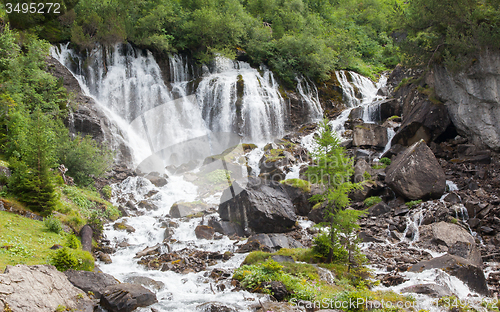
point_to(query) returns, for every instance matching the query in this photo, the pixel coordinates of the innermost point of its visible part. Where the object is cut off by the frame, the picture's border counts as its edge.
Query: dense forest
(308, 37)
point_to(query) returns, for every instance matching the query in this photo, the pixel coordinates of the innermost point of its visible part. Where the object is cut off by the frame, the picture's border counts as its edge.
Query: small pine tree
(333, 170)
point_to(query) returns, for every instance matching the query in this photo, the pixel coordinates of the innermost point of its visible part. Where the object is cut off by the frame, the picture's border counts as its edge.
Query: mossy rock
(305, 186)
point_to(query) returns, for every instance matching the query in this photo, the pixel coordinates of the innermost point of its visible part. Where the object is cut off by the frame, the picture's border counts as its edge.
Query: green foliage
(73, 242)
(333, 170)
(322, 249)
(52, 224)
(305, 186)
(367, 176)
(65, 258)
(386, 161)
(107, 191)
(370, 201)
(413, 203)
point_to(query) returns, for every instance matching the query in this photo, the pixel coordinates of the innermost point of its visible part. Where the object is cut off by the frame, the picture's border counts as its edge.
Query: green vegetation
(413, 203)
(53, 224)
(386, 161)
(379, 166)
(66, 258)
(305, 186)
(370, 201)
(333, 169)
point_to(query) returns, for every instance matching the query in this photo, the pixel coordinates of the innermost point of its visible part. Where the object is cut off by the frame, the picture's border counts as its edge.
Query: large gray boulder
(369, 135)
(257, 207)
(91, 281)
(40, 288)
(459, 267)
(126, 297)
(473, 97)
(416, 174)
(269, 242)
(451, 238)
(183, 209)
(426, 121)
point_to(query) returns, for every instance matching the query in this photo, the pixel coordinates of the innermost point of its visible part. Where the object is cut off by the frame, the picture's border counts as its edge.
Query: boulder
(451, 238)
(459, 267)
(126, 297)
(122, 226)
(146, 282)
(426, 121)
(182, 209)
(157, 179)
(259, 208)
(214, 307)
(226, 227)
(370, 135)
(416, 174)
(269, 242)
(300, 196)
(148, 251)
(277, 289)
(91, 281)
(22, 288)
(86, 234)
(204, 232)
(379, 209)
(432, 290)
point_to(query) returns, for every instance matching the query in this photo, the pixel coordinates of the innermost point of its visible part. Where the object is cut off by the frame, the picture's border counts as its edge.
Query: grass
(25, 241)
(413, 203)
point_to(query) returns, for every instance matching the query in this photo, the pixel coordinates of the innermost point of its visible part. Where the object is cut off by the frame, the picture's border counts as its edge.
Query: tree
(333, 170)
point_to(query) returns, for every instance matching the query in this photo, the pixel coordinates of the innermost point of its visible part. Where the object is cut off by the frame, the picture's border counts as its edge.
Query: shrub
(73, 242)
(321, 249)
(386, 161)
(107, 192)
(305, 186)
(64, 259)
(413, 203)
(52, 224)
(370, 201)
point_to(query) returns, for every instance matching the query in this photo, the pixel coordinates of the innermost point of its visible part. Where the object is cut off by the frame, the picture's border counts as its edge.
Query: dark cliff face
(473, 98)
(85, 117)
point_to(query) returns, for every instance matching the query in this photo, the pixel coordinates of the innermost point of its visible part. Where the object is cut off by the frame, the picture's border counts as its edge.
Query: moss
(413, 203)
(393, 117)
(370, 201)
(305, 186)
(362, 127)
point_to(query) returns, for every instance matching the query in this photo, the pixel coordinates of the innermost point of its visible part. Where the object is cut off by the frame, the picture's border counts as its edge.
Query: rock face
(86, 234)
(459, 267)
(181, 210)
(269, 243)
(451, 238)
(259, 208)
(473, 98)
(432, 290)
(371, 135)
(426, 121)
(90, 281)
(126, 297)
(40, 288)
(416, 174)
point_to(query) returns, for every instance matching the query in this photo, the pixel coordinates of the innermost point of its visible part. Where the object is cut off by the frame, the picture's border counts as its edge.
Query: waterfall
(159, 115)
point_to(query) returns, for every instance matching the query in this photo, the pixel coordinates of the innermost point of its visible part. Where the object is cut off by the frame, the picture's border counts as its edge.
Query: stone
(300, 197)
(148, 251)
(416, 174)
(369, 135)
(104, 257)
(215, 307)
(122, 226)
(459, 267)
(204, 232)
(379, 209)
(86, 234)
(458, 240)
(258, 207)
(452, 198)
(146, 282)
(395, 150)
(278, 289)
(184, 209)
(226, 227)
(269, 242)
(126, 297)
(91, 281)
(280, 258)
(145, 204)
(425, 121)
(432, 290)
(22, 288)
(157, 179)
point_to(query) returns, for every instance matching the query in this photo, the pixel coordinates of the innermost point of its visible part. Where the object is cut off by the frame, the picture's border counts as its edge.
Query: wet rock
(91, 281)
(145, 204)
(280, 258)
(104, 257)
(300, 196)
(56, 247)
(416, 174)
(278, 289)
(226, 227)
(86, 234)
(214, 307)
(157, 179)
(359, 170)
(395, 150)
(456, 239)
(260, 207)
(390, 280)
(367, 237)
(40, 288)
(279, 307)
(148, 251)
(369, 135)
(182, 209)
(459, 267)
(432, 290)
(122, 226)
(204, 232)
(452, 198)
(146, 282)
(268, 242)
(126, 297)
